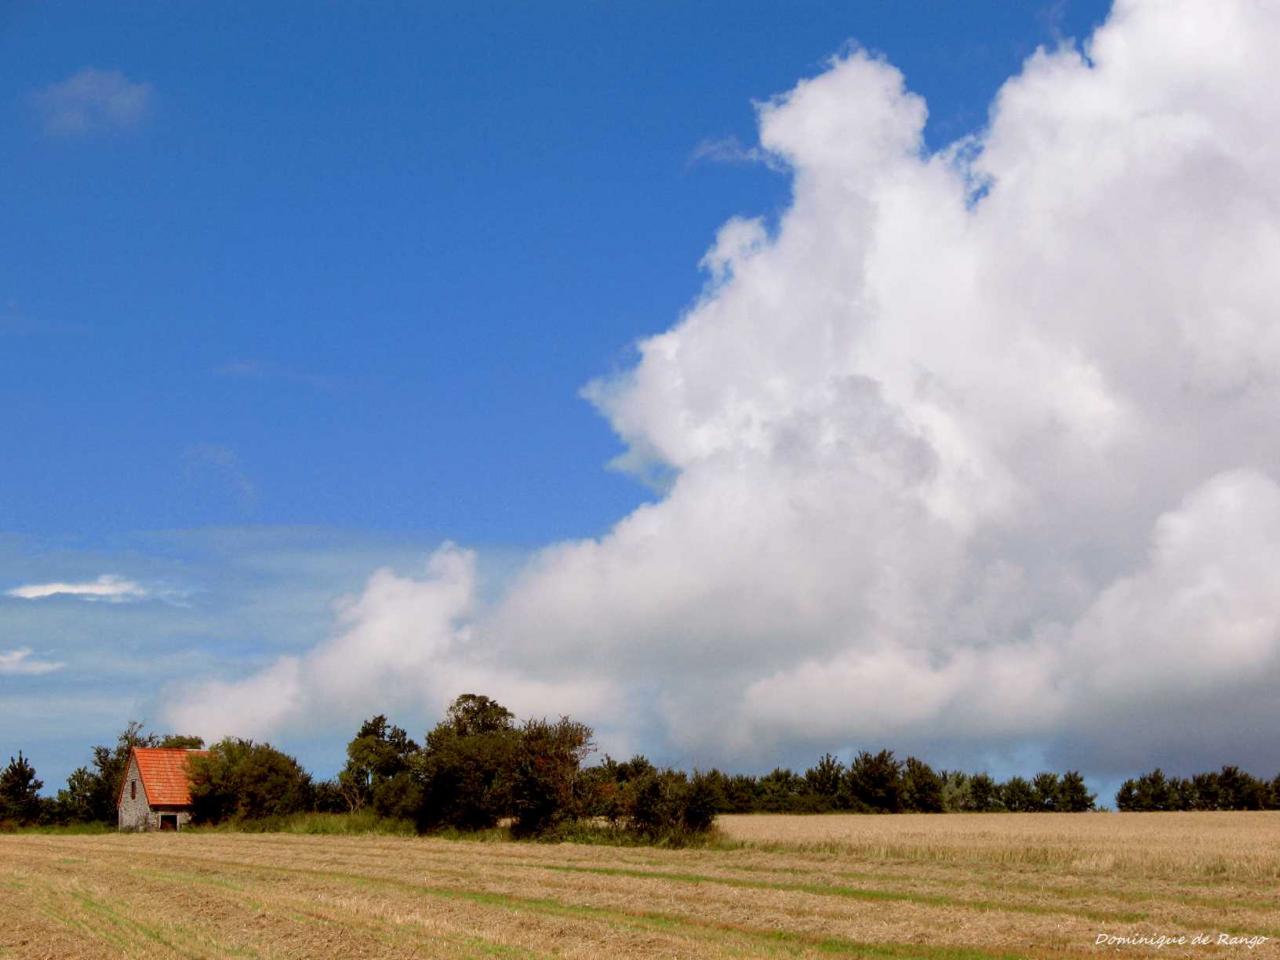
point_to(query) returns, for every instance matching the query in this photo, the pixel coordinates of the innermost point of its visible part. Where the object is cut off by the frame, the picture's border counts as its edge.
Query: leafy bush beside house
(242, 780)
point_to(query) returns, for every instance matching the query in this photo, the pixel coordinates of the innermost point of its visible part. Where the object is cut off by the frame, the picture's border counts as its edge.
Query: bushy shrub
(242, 780)
(548, 759)
(667, 806)
(398, 797)
(701, 801)
(327, 797)
(465, 779)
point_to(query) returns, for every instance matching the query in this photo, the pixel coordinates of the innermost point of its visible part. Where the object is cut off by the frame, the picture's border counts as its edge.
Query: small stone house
(155, 793)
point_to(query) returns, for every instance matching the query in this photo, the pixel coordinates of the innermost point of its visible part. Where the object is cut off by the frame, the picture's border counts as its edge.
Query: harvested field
(942, 888)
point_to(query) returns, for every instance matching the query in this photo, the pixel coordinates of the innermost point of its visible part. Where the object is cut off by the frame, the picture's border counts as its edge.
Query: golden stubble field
(940, 887)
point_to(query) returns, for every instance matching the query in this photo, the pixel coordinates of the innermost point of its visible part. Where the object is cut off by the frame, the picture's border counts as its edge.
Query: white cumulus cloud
(404, 641)
(980, 469)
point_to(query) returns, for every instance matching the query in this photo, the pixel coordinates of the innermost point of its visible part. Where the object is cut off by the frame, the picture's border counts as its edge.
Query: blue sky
(290, 292)
(350, 268)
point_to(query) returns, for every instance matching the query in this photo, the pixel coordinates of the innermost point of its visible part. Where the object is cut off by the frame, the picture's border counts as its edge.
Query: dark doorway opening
(168, 821)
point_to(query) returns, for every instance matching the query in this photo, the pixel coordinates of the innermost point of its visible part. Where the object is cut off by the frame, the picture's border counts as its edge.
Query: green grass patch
(67, 829)
(360, 823)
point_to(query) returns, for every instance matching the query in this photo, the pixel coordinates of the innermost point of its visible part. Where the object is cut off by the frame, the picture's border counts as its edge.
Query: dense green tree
(955, 791)
(242, 780)
(77, 801)
(103, 790)
(604, 790)
(738, 793)
(472, 714)
(379, 753)
(701, 801)
(466, 767)
(1073, 794)
(477, 767)
(180, 741)
(1045, 787)
(635, 768)
(783, 791)
(1127, 796)
(874, 781)
(668, 806)
(824, 779)
(1184, 793)
(656, 803)
(1207, 791)
(327, 797)
(599, 794)
(921, 787)
(1241, 791)
(984, 793)
(548, 761)
(1155, 792)
(398, 797)
(20, 791)
(1017, 795)
(741, 793)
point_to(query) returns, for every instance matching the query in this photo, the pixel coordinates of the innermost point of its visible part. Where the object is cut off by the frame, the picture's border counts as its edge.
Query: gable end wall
(133, 814)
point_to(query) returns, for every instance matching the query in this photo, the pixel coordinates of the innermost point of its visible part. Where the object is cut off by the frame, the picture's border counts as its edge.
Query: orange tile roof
(164, 774)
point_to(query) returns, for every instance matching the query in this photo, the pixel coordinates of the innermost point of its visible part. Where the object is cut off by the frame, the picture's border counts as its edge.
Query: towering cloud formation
(973, 448)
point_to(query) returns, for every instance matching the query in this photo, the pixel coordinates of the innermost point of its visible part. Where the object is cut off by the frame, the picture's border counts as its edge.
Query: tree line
(478, 768)
(1228, 789)
(881, 783)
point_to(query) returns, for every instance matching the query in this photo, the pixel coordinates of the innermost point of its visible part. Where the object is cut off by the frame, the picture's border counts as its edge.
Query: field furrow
(940, 888)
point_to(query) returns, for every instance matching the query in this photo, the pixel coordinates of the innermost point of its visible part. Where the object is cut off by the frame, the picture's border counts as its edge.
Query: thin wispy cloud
(264, 370)
(92, 101)
(20, 663)
(15, 323)
(732, 150)
(108, 587)
(223, 464)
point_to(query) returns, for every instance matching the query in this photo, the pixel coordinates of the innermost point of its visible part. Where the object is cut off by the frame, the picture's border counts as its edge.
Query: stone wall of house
(133, 812)
(182, 813)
